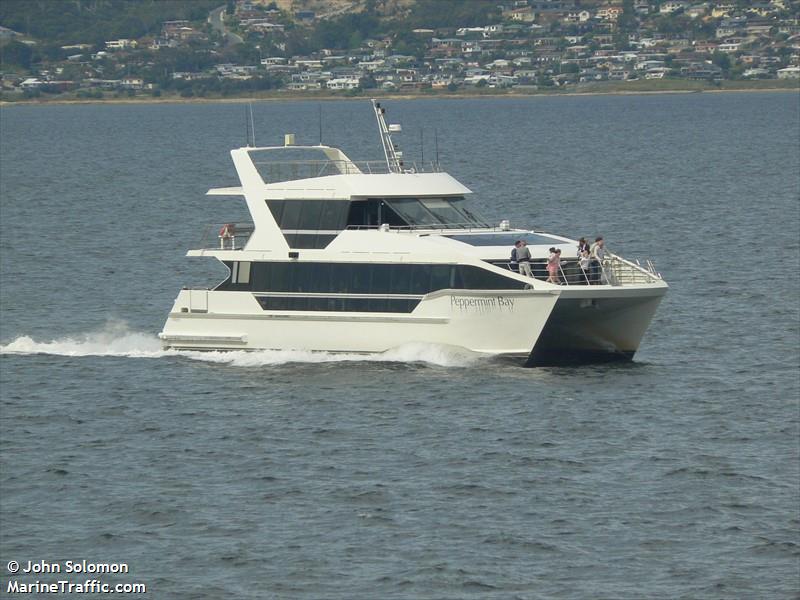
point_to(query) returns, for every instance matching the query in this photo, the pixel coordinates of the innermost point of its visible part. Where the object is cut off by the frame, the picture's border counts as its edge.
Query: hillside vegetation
(94, 21)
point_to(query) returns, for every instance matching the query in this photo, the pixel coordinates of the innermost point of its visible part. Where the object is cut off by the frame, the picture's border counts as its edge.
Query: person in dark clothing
(524, 258)
(598, 254)
(514, 262)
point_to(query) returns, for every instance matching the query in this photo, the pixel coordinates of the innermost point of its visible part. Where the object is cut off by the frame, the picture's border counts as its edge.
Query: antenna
(436, 145)
(394, 160)
(421, 149)
(252, 125)
(320, 124)
(246, 129)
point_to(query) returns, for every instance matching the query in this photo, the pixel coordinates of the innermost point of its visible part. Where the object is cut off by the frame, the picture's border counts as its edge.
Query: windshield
(436, 212)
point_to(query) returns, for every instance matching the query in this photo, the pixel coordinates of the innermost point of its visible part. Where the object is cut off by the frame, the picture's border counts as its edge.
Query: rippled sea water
(426, 472)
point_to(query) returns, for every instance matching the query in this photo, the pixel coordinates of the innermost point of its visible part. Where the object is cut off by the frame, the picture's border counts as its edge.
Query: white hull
(597, 324)
(490, 322)
(355, 258)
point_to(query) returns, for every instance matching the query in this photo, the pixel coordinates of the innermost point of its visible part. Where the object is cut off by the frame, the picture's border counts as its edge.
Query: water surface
(428, 472)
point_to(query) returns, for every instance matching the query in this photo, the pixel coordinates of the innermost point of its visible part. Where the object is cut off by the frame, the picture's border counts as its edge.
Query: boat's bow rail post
(226, 236)
(619, 271)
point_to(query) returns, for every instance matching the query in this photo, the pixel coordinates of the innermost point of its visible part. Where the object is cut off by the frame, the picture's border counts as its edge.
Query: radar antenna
(252, 124)
(394, 157)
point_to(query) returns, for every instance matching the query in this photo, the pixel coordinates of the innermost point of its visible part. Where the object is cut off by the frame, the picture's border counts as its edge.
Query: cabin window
(372, 213)
(363, 278)
(413, 212)
(322, 303)
(309, 223)
(241, 272)
(442, 210)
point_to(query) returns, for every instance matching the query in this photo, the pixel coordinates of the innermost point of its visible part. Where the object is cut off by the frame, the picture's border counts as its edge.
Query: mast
(394, 158)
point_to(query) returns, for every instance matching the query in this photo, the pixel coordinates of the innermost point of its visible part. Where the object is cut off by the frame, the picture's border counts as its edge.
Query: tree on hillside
(451, 13)
(92, 21)
(15, 54)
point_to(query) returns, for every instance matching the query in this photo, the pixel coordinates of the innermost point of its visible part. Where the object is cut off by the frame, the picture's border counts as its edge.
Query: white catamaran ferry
(364, 257)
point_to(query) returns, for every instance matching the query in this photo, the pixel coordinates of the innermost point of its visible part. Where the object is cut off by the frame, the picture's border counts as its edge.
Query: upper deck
(324, 172)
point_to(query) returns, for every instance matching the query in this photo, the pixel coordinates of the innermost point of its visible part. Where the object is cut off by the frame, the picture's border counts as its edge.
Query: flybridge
(291, 162)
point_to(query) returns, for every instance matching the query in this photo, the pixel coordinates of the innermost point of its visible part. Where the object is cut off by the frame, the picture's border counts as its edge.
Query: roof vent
(288, 139)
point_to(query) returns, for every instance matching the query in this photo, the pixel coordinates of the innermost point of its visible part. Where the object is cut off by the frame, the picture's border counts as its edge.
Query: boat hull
(501, 322)
(596, 325)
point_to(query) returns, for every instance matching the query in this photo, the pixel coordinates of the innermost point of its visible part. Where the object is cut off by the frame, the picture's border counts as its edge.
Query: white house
(789, 73)
(343, 83)
(672, 6)
(120, 44)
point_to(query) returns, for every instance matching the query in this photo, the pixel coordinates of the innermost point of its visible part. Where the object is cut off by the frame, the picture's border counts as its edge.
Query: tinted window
(308, 241)
(472, 278)
(296, 303)
(291, 215)
(360, 278)
(276, 208)
(365, 278)
(333, 215)
(310, 211)
(462, 205)
(381, 278)
(444, 211)
(441, 277)
(277, 274)
(309, 217)
(413, 212)
(420, 279)
(400, 279)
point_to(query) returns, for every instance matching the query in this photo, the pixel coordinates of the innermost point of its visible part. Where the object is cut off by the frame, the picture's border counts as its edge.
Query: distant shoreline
(792, 86)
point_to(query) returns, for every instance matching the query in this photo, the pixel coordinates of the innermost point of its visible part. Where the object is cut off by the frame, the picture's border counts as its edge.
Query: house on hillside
(672, 6)
(120, 44)
(343, 83)
(609, 13)
(789, 73)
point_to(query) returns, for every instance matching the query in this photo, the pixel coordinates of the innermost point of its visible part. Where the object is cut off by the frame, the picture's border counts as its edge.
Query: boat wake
(114, 339)
(117, 339)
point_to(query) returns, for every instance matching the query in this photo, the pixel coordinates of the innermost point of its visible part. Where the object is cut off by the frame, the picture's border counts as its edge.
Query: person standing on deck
(553, 266)
(524, 259)
(598, 254)
(585, 263)
(514, 262)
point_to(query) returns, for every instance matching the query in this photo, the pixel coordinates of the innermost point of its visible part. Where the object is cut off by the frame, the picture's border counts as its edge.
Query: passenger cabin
(313, 193)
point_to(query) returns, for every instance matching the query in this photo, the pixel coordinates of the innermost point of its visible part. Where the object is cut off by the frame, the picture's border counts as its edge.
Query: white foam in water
(439, 355)
(116, 339)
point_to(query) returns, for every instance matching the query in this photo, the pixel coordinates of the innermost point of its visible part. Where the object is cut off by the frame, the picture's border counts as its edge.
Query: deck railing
(455, 227)
(614, 270)
(226, 236)
(277, 171)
